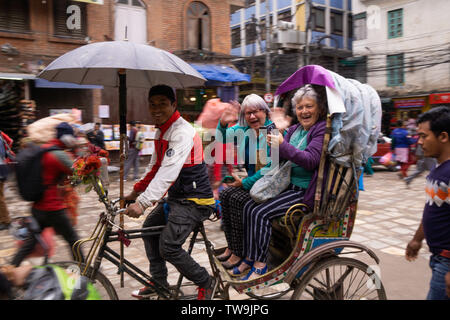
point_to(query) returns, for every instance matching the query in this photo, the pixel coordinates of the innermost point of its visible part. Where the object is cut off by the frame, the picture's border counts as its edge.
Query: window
(395, 70)
(198, 26)
(130, 21)
(14, 15)
(251, 33)
(69, 19)
(285, 16)
(337, 22)
(134, 3)
(360, 26)
(236, 37)
(395, 23)
(318, 19)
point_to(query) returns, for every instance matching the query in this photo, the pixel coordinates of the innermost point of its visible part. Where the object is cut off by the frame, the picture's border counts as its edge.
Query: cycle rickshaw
(310, 247)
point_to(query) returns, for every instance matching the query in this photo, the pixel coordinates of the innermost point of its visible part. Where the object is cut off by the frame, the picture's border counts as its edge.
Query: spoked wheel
(272, 292)
(340, 279)
(100, 282)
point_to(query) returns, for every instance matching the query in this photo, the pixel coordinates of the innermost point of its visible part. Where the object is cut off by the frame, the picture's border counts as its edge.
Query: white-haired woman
(251, 116)
(302, 145)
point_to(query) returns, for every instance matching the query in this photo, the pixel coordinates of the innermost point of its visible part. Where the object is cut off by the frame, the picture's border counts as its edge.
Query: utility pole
(308, 29)
(268, 45)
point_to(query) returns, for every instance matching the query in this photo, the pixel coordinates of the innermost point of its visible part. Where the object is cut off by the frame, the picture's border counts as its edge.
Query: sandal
(227, 265)
(237, 272)
(258, 271)
(223, 258)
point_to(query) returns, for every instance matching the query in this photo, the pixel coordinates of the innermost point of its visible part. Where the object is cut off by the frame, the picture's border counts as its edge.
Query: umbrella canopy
(122, 64)
(98, 63)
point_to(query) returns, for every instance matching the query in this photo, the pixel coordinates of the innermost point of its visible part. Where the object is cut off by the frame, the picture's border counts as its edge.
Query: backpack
(139, 140)
(52, 282)
(29, 172)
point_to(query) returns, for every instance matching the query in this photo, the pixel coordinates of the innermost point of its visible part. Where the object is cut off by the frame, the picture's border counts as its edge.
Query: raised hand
(279, 117)
(230, 114)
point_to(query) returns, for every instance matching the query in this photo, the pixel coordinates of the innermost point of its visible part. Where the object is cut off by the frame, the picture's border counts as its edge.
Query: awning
(222, 73)
(42, 83)
(16, 76)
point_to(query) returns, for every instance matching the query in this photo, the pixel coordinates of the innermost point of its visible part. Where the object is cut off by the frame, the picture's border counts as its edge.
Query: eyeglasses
(254, 112)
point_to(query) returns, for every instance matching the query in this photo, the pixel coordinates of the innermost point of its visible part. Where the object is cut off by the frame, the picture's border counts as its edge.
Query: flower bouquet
(86, 170)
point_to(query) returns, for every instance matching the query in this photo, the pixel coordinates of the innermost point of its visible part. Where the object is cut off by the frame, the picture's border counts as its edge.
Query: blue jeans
(439, 266)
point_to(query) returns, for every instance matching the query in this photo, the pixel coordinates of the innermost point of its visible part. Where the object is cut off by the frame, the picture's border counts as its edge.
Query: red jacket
(56, 166)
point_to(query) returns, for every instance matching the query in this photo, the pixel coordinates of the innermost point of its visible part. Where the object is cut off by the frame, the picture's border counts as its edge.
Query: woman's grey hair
(252, 100)
(310, 92)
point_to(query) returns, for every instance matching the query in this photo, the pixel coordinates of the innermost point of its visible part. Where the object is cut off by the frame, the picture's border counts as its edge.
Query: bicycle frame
(103, 234)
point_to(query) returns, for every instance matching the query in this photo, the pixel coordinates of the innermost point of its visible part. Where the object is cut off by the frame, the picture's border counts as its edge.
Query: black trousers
(182, 219)
(59, 221)
(233, 200)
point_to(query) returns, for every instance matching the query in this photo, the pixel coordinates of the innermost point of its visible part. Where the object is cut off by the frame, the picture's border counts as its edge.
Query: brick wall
(167, 24)
(41, 44)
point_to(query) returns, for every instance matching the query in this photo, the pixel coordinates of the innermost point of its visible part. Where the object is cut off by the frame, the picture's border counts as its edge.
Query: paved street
(388, 215)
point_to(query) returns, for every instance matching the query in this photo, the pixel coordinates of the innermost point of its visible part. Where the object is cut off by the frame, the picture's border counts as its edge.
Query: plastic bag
(387, 160)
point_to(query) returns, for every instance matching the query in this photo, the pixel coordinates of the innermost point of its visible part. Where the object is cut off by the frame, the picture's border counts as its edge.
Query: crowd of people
(177, 184)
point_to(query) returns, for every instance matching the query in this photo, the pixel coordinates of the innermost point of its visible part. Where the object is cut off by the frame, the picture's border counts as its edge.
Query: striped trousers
(232, 200)
(257, 218)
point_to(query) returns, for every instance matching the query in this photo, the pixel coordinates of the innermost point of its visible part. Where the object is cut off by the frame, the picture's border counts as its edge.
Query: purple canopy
(311, 74)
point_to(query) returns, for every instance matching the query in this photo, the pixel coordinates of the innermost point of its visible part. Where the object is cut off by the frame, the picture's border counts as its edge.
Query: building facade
(35, 32)
(301, 32)
(406, 45)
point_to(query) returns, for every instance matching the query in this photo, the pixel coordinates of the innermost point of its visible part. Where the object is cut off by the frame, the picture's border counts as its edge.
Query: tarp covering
(221, 73)
(355, 128)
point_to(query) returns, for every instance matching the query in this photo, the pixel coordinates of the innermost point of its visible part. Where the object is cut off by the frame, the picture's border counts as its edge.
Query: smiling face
(161, 109)
(255, 117)
(307, 111)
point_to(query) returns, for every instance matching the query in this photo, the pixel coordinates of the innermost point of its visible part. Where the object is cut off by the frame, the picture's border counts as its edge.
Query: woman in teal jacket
(253, 152)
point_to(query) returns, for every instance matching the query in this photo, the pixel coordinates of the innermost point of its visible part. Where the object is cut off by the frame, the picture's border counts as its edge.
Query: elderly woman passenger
(253, 114)
(311, 109)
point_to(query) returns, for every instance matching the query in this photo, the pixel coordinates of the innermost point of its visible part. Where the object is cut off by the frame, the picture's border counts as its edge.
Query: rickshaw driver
(176, 168)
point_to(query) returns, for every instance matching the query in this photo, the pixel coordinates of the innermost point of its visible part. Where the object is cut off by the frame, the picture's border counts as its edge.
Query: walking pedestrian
(423, 164)
(177, 168)
(133, 153)
(434, 137)
(400, 144)
(50, 210)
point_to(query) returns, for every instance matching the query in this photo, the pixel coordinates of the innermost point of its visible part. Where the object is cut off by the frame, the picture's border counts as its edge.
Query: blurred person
(401, 146)
(423, 164)
(49, 282)
(208, 119)
(6, 156)
(434, 138)
(133, 153)
(50, 210)
(96, 137)
(178, 170)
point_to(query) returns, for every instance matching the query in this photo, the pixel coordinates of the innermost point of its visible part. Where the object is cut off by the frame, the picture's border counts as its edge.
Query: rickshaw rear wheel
(340, 279)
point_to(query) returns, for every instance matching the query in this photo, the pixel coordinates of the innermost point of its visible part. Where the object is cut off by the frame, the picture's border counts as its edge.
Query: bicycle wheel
(272, 292)
(100, 282)
(340, 279)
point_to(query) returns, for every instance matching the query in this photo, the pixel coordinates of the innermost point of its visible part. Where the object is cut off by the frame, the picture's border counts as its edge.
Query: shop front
(410, 108)
(442, 99)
